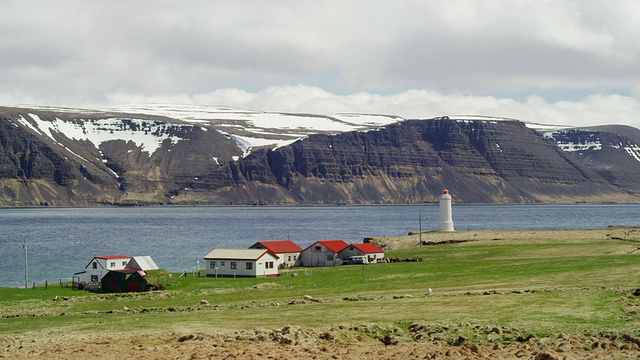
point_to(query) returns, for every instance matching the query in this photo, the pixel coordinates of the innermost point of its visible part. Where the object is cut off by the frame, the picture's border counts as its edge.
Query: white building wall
(289, 259)
(354, 251)
(103, 266)
(318, 255)
(258, 268)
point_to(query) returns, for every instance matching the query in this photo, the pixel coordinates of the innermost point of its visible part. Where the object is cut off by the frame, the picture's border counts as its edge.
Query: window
(113, 264)
(249, 265)
(222, 263)
(124, 263)
(95, 265)
(294, 257)
(268, 265)
(329, 257)
(318, 248)
(94, 278)
(289, 258)
(212, 265)
(234, 265)
(351, 248)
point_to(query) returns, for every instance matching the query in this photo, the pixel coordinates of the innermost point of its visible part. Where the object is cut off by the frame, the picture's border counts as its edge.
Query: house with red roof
(322, 253)
(287, 251)
(368, 252)
(99, 266)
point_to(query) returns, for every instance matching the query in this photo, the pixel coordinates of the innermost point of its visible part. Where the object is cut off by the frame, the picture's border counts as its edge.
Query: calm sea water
(62, 241)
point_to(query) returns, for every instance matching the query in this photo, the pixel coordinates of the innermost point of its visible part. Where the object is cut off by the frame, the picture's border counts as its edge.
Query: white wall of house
(285, 259)
(354, 251)
(289, 259)
(318, 255)
(266, 265)
(99, 267)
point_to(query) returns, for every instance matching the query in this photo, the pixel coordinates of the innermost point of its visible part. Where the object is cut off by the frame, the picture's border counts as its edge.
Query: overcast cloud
(565, 62)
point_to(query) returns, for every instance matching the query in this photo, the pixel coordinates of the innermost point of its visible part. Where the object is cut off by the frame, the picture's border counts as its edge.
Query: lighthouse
(446, 222)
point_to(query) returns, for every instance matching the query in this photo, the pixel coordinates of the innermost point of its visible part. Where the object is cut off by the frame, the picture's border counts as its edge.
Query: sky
(556, 62)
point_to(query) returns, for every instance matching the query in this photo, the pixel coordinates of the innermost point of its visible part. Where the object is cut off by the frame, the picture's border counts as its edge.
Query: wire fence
(61, 283)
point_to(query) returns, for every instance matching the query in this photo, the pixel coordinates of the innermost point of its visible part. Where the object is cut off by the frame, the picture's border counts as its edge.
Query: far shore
(427, 238)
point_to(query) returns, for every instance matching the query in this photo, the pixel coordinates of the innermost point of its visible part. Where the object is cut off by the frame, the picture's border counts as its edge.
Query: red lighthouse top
(445, 191)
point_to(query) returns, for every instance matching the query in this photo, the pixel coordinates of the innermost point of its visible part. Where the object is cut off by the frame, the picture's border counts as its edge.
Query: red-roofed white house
(99, 266)
(322, 253)
(369, 250)
(287, 251)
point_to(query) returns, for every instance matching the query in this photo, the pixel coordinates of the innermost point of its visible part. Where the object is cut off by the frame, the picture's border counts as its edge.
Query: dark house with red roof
(124, 280)
(322, 253)
(286, 250)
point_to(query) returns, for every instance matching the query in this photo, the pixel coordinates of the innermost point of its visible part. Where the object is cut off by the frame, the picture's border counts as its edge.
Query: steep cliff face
(34, 172)
(50, 158)
(410, 162)
(611, 152)
(71, 158)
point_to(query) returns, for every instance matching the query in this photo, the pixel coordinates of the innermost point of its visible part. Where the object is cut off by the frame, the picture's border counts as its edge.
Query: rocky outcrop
(47, 158)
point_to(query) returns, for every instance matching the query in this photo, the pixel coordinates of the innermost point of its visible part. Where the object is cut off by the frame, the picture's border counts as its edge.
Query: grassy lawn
(538, 286)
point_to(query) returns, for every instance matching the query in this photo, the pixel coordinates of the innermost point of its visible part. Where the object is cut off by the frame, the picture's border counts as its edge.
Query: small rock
(459, 341)
(204, 302)
(326, 336)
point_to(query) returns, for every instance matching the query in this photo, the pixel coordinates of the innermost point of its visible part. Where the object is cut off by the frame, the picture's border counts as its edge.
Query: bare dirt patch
(417, 341)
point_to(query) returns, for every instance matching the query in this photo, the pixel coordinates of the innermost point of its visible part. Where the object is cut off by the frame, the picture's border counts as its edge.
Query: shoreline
(412, 240)
(430, 204)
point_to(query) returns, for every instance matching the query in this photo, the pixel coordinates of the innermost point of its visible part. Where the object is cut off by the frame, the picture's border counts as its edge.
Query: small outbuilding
(125, 280)
(369, 251)
(241, 263)
(322, 253)
(287, 251)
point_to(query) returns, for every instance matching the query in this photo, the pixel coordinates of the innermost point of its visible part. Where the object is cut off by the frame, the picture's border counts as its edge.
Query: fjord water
(62, 241)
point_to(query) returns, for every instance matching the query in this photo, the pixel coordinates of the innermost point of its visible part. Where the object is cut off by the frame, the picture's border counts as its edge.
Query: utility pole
(26, 264)
(420, 216)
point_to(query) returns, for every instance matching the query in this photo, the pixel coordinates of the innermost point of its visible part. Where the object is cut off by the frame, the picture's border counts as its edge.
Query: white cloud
(412, 58)
(589, 111)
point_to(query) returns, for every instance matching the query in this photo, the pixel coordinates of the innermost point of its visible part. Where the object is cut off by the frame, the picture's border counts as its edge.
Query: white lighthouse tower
(446, 222)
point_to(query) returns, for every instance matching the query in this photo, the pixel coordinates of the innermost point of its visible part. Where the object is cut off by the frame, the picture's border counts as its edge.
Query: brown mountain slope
(46, 159)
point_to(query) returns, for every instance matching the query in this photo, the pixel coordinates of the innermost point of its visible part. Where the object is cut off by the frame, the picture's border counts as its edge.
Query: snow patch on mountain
(263, 128)
(631, 149)
(575, 140)
(149, 135)
(569, 147)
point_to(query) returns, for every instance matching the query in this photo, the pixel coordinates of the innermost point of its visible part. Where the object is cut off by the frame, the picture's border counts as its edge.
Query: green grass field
(538, 286)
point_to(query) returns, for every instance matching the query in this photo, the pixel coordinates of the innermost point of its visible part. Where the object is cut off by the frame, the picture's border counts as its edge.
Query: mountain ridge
(73, 157)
